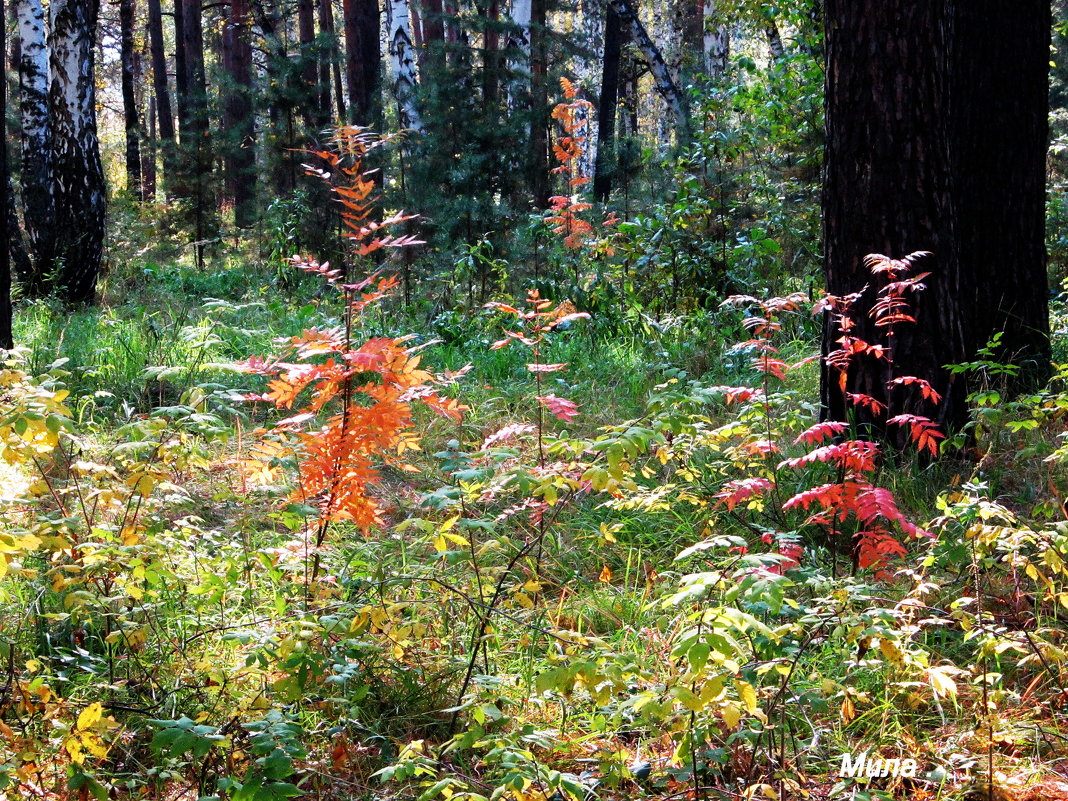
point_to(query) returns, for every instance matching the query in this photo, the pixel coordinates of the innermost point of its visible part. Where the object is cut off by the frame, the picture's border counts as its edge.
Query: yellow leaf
(891, 652)
(747, 694)
(731, 715)
(90, 715)
(606, 575)
(941, 683)
(524, 600)
(849, 710)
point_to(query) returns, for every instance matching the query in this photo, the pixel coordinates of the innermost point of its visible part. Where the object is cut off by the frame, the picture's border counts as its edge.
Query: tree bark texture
(78, 185)
(606, 107)
(402, 63)
(131, 116)
(362, 58)
(160, 85)
(6, 340)
(36, 178)
(665, 81)
(936, 141)
(238, 116)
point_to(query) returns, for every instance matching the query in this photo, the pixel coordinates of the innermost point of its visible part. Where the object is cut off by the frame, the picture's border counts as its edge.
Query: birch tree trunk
(665, 82)
(716, 40)
(775, 47)
(78, 178)
(518, 47)
(5, 188)
(402, 60)
(36, 179)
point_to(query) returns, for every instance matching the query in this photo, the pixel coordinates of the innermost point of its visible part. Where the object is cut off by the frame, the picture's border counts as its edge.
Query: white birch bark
(717, 42)
(665, 82)
(36, 178)
(78, 177)
(402, 57)
(517, 45)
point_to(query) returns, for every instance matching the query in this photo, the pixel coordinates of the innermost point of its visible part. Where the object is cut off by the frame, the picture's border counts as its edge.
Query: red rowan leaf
(560, 407)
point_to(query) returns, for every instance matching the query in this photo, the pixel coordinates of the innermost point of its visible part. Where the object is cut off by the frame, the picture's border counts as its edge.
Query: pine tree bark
(363, 56)
(330, 62)
(162, 95)
(131, 117)
(999, 112)
(606, 107)
(78, 177)
(923, 133)
(240, 162)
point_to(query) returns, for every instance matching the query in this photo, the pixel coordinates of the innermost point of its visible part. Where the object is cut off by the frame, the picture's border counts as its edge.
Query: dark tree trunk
(313, 105)
(240, 159)
(433, 37)
(148, 154)
(6, 340)
(539, 105)
(181, 72)
(363, 57)
(330, 62)
(999, 107)
(916, 159)
(606, 108)
(78, 175)
(162, 94)
(131, 117)
(491, 59)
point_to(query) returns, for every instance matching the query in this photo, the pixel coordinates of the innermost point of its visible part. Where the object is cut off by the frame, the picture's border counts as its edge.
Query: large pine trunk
(363, 54)
(78, 186)
(935, 143)
(999, 108)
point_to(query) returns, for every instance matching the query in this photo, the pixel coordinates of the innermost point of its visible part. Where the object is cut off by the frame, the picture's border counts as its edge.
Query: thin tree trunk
(771, 31)
(665, 82)
(240, 159)
(606, 107)
(330, 61)
(148, 154)
(313, 105)
(38, 202)
(131, 118)
(539, 105)
(491, 66)
(6, 340)
(162, 93)
(79, 178)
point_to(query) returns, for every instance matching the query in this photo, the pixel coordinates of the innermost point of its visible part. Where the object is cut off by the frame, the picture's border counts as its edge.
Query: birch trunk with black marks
(716, 41)
(665, 81)
(36, 179)
(402, 64)
(6, 340)
(78, 178)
